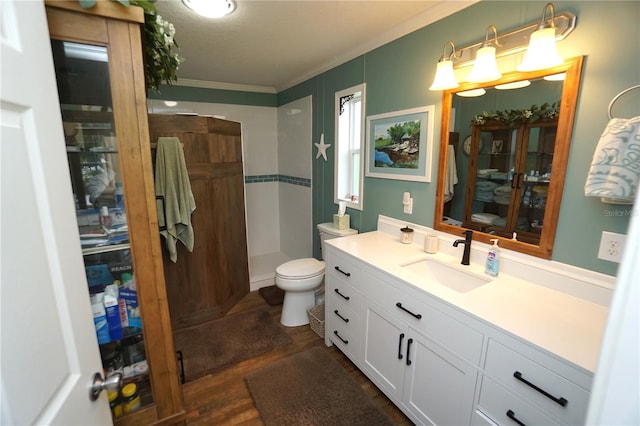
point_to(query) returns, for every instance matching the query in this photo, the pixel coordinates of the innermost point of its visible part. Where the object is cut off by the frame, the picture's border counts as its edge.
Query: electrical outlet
(611, 246)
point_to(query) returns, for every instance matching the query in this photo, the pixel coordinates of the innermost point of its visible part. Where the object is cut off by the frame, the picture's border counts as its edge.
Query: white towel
(172, 182)
(451, 174)
(615, 168)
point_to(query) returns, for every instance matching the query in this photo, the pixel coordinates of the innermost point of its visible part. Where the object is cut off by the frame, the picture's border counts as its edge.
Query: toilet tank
(327, 231)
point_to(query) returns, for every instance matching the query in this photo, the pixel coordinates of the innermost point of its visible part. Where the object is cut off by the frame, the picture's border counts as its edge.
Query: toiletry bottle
(493, 259)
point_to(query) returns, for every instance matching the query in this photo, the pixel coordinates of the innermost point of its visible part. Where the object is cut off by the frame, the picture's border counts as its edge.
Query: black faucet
(467, 246)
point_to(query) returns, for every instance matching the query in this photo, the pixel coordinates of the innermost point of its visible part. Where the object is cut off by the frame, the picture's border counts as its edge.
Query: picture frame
(400, 144)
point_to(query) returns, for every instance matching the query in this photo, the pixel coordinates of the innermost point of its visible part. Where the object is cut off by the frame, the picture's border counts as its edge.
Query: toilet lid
(300, 268)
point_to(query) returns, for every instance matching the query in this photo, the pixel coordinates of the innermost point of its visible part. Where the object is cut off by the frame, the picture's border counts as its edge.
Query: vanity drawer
(448, 332)
(343, 295)
(342, 268)
(345, 336)
(504, 408)
(539, 385)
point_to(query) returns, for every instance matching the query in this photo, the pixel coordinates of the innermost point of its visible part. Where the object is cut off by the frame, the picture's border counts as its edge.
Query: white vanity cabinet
(403, 344)
(438, 362)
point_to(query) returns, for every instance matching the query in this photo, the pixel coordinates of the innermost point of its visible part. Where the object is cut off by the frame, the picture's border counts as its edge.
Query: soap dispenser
(493, 259)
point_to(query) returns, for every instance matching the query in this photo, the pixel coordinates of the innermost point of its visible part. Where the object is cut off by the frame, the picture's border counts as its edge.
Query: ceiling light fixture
(485, 68)
(445, 79)
(542, 52)
(211, 8)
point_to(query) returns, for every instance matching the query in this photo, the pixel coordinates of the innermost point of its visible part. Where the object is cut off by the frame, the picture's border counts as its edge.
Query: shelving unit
(510, 170)
(99, 72)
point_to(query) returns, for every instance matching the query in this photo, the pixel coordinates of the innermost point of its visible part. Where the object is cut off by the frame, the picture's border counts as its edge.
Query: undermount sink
(453, 277)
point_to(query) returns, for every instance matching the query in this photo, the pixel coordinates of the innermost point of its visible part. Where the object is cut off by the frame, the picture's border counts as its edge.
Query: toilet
(302, 280)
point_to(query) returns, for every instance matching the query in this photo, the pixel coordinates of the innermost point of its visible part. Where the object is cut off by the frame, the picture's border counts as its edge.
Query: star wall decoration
(322, 148)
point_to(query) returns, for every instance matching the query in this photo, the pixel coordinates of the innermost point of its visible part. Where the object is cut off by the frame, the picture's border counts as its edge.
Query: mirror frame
(570, 91)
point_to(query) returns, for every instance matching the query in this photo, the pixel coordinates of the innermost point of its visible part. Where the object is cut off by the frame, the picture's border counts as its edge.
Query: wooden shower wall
(205, 284)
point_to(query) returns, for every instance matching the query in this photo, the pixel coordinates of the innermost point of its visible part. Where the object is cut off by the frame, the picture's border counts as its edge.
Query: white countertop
(568, 326)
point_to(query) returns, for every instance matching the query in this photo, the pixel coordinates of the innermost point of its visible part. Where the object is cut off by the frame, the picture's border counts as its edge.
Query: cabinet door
(99, 74)
(535, 166)
(439, 386)
(492, 178)
(385, 350)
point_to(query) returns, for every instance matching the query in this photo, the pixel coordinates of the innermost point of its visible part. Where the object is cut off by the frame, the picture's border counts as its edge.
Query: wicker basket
(316, 319)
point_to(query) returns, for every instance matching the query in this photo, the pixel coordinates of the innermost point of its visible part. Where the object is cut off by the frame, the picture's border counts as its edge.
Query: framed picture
(400, 144)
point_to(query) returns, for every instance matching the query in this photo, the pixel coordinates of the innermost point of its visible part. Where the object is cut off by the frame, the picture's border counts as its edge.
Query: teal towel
(172, 182)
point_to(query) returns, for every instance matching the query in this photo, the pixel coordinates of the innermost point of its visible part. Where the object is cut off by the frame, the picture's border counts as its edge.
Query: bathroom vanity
(451, 345)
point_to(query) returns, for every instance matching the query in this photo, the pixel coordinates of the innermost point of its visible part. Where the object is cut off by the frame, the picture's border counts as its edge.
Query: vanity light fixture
(542, 52)
(485, 68)
(170, 103)
(445, 79)
(555, 77)
(211, 8)
(528, 37)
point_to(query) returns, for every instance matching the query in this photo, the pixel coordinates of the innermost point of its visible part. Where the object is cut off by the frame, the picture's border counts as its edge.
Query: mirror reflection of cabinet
(538, 234)
(99, 73)
(508, 178)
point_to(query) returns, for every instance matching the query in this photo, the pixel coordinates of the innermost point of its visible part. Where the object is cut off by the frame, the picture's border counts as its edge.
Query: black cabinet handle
(341, 295)
(348, 274)
(340, 316)
(409, 342)
(400, 345)
(346, 342)
(561, 401)
(399, 305)
(163, 226)
(513, 417)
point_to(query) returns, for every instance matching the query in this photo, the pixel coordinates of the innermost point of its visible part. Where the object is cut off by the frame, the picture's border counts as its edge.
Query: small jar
(406, 236)
(114, 404)
(130, 400)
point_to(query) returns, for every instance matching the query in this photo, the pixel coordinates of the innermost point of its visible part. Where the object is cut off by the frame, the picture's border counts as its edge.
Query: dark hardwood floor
(223, 398)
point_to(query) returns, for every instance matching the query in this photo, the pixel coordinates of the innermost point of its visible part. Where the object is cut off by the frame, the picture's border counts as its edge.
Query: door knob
(113, 382)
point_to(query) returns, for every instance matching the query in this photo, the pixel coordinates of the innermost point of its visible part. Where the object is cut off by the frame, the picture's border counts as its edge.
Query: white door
(49, 349)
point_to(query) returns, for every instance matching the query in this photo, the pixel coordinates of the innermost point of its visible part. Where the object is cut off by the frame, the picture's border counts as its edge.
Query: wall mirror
(510, 147)
(349, 136)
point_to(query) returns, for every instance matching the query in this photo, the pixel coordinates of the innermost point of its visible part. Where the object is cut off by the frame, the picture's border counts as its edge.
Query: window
(349, 159)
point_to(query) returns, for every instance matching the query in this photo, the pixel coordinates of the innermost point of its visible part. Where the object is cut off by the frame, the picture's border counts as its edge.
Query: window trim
(337, 151)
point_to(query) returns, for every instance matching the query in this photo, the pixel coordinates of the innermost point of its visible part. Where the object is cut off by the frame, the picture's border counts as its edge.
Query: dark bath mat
(272, 295)
(311, 388)
(215, 345)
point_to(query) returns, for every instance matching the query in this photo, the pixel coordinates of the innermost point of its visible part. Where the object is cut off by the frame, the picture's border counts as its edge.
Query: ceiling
(268, 46)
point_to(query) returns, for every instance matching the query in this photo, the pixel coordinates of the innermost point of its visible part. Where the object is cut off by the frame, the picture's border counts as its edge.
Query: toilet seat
(300, 269)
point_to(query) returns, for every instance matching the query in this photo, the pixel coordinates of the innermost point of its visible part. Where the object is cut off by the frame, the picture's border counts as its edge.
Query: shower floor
(262, 269)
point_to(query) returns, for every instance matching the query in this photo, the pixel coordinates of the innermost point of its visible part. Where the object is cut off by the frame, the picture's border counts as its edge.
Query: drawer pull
(348, 274)
(400, 346)
(513, 417)
(409, 342)
(340, 316)
(341, 295)
(399, 305)
(561, 401)
(346, 342)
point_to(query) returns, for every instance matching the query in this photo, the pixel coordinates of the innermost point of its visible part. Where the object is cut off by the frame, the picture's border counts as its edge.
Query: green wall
(398, 74)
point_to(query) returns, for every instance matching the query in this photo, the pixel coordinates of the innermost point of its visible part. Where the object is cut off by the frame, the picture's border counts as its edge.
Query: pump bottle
(493, 259)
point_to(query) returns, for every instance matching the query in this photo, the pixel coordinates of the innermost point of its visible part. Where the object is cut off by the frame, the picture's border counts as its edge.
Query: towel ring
(616, 97)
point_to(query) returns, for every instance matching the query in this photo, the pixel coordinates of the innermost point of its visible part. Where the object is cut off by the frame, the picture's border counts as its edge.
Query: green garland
(159, 47)
(517, 116)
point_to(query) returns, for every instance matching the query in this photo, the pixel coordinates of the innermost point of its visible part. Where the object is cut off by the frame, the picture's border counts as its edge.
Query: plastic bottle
(493, 259)
(118, 194)
(130, 398)
(105, 218)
